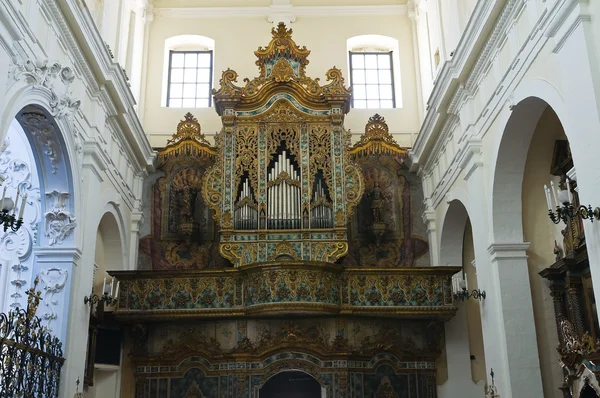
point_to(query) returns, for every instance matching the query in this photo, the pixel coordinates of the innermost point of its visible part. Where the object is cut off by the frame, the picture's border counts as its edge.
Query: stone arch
(453, 230)
(509, 154)
(43, 119)
(56, 147)
(112, 242)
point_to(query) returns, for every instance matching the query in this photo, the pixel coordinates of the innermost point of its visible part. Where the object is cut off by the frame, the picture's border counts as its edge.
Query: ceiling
(266, 3)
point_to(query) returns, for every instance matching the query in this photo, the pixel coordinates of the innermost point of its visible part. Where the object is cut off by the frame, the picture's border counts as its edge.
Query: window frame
(390, 54)
(210, 76)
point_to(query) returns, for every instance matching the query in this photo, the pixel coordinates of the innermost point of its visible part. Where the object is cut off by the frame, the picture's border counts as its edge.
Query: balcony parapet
(288, 287)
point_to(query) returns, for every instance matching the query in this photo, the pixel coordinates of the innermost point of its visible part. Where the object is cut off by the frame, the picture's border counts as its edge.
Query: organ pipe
(283, 194)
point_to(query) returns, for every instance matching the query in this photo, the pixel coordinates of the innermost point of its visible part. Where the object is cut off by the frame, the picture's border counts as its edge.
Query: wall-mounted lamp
(491, 391)
(461, 291)
(9, 208)
(107, 295)
(562, 200)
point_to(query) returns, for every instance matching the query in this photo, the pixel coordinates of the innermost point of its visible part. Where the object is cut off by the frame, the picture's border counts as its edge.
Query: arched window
(374, 69)
(188, 72)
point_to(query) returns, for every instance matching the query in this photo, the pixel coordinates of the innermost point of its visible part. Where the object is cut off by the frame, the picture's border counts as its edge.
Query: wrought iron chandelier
(562, 200)
(8, 216)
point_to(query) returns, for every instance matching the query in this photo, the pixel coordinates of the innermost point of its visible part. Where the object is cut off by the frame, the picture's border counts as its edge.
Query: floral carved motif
(60, 223)
(54, 280)
(51, 75)
(43, 130)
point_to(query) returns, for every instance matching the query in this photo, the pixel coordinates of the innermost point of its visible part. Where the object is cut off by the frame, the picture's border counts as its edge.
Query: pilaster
(429, 218)
(54, 267)
(517, 364)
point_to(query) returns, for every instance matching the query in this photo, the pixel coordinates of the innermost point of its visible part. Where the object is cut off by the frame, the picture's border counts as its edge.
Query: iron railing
(30, 357)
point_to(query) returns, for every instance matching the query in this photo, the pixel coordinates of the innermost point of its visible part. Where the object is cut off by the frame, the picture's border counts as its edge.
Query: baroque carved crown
(283, 171)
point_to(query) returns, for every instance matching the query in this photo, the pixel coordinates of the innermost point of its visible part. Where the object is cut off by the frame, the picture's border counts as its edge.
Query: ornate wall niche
(387, 230)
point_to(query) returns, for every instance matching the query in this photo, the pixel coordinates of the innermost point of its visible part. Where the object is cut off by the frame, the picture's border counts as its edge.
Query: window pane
(360, 104)
(372, 91)
(202, 103)
(176, 60)
(189, 103)
(371, 61)
(386, 104)
(189, 91)
(189, 75)
(358, 77)
(372, 76)
(177, 75)
(175, 103)
(176, 91)
(384, 61)
(202, 91)
(385, 92)
(360, 92)
(204, 60)
(203, 75)
(191, 60)
(385, 77)
(372, 104)
(358, 61)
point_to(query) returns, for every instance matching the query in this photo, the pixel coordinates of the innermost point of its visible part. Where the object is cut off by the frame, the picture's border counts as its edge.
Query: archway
(291, 384)
(525, 162)
(103, 365)
(465, 370)
(34, 162)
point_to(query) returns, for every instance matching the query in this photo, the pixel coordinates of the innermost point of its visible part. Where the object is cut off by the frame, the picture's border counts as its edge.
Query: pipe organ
(283, 194)
(284, 183)
(246, 213)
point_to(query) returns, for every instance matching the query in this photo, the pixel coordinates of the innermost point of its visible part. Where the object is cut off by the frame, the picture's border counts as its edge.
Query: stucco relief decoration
(60, 223)
(15, 247)
(43, 130)
(50, 75)
(54, 281)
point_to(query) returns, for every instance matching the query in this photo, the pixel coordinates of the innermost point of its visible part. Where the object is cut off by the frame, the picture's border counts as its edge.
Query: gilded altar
(284, 246)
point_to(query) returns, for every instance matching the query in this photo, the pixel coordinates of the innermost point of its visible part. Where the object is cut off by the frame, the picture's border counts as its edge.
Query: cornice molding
(508, 250)
(269, 12)
(79, 35)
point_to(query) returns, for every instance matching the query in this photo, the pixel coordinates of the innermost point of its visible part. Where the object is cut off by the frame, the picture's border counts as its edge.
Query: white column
(137, 220)
(507, 320)
(434, 249)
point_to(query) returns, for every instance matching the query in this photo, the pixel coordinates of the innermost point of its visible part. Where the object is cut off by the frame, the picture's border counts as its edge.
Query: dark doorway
(291, 385)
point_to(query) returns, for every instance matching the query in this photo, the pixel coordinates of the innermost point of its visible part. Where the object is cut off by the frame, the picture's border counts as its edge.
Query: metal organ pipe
(284, 200)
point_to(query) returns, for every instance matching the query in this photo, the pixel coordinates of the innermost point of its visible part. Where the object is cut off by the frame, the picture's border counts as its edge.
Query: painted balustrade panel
(317, 287)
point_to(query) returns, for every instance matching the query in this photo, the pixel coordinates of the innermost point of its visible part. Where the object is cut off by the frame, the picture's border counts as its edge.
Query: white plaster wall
(521, 49)
(106, 151)
(237, 38)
